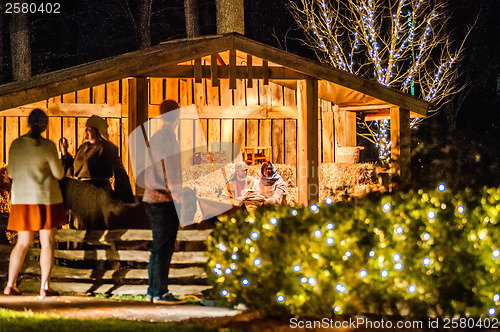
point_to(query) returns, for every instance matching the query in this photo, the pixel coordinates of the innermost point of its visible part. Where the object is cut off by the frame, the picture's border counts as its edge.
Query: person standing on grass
(163, 185)
(37, 203)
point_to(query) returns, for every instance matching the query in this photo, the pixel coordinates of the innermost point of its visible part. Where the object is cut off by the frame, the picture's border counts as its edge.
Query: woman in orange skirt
(37, 203)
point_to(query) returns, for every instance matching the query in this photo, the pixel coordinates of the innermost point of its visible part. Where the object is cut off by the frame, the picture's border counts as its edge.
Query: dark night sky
(88, 30)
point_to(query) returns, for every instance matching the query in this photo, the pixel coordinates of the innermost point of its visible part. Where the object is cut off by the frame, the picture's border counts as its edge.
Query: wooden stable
(245, 93)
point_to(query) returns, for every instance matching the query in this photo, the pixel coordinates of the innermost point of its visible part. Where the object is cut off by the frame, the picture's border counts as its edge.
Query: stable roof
(175, 59)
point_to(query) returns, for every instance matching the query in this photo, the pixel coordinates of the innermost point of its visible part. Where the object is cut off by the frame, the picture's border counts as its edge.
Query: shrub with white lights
(417, 254)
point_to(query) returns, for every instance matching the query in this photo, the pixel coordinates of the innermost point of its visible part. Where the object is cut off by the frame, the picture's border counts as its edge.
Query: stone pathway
(82, 307)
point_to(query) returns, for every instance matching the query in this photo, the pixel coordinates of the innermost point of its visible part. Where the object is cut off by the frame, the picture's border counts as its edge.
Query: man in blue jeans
(159, 203)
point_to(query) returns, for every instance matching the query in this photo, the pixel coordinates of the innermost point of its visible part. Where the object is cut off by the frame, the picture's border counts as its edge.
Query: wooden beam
(365, 108)
(137, 115)
(265, 72)
(234, 112)
(307, 137)
(249, 71)
(214, 70)
(197, 70)
(187, 71)
(105, 237)
(400, 148)
(232, 69)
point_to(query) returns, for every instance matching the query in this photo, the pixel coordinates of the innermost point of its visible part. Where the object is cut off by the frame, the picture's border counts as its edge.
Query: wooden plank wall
(111, 101)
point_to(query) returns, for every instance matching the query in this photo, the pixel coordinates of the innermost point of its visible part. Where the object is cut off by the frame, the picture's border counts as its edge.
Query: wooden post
(307, 137)
(400, 148)
(137, 115)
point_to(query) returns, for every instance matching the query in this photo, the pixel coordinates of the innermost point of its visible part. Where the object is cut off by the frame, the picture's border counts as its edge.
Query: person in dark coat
(88, 192)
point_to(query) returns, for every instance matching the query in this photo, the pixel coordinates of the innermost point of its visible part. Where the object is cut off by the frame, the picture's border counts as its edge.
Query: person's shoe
(11, 291)
(166, 298)
(47, 292)
(149, 298)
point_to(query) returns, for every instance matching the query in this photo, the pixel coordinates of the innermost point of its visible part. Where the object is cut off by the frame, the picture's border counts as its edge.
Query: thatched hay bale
(5, 185)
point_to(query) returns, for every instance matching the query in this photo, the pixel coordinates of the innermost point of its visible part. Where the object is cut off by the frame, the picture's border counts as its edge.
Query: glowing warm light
(245, 281)
(460, 209)
(217, 271)
(384, 273)
(348, 253)
(329, 201)
(400, 230)
(317, 233)
(233, 266)
(222, 246)
(251, 220)
(442, 187)
(248, 241)
(330, 241)
(297, 268)
(280, 298)
(314, 208)
(496, 297)
(396, 257)
(336, 308)
(234, 257)
(273, 221)
(386, 207)
(431, 214)
(254, 235)
(496, 253)
(218, 266)
(426, 261)
(228, 270)
(371, 253)
(294, 212)
(311, 281)
(257, 262)
(426, 236)
(398, 266)
(412, 288)
(492, 311)
(330, 226)
(303, 280)
(363, 273)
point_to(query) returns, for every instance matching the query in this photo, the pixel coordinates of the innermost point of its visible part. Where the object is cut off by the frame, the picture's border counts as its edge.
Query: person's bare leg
(47, 237)
(17, 255)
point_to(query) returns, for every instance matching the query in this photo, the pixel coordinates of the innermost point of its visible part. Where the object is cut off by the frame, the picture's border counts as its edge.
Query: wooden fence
(263, 115)
(115, 262)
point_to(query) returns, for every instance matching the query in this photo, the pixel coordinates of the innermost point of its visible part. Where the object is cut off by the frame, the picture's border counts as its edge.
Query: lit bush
(414, 254)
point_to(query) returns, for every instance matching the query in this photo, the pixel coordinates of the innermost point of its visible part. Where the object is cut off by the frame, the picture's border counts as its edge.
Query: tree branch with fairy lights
(402, 44)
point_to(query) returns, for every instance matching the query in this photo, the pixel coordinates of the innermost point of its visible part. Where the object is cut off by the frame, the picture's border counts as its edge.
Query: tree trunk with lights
(402, 44)
(20, 46)
(230, 16)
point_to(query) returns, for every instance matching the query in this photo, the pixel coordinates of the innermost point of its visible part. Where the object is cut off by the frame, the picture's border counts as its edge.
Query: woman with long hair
(37, 203)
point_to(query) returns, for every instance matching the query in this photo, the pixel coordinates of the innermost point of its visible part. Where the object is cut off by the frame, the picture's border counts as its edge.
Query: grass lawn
(14, 321)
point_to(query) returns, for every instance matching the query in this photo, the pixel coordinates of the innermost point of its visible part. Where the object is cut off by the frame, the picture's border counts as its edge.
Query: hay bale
(5, 185)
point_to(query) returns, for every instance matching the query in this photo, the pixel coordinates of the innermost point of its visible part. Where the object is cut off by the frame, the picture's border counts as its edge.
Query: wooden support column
(137, 115)
(214, 73)
(400, 148)
(307, 137)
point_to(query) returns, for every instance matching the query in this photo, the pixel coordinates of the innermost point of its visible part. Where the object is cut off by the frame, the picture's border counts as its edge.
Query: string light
(460, 209)
(254, 235)
(228, 270)
(329, 201)
(330, 226)
(257, 262)
(245, 282)
(398, 266)
(426, 236)
(431, 214)
(412, 288)
(492, 311)
(222, 246)
(297, 268)
(396, 257)
(336, 308)
(386, 207)
(233, 266)
(426, 261)
(274, 220)
(294, 212)
(371, 253)
(363, 273)
(340, 288)
(234, 257)
(317, 233)
(399, 230)
(248, 241)
(303, 280)
(314, 208)
(384, 273)
(311, 280)
(496, 297)
(330, 241)
(442, 187)
(224, 292)
(496, 253)
(280, 298)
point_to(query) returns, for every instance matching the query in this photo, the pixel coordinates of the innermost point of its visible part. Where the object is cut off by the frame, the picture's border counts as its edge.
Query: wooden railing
(115, 262)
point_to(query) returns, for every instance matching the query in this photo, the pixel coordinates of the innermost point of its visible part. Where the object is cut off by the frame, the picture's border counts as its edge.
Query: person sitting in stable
(239, 182)
(270, 188)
